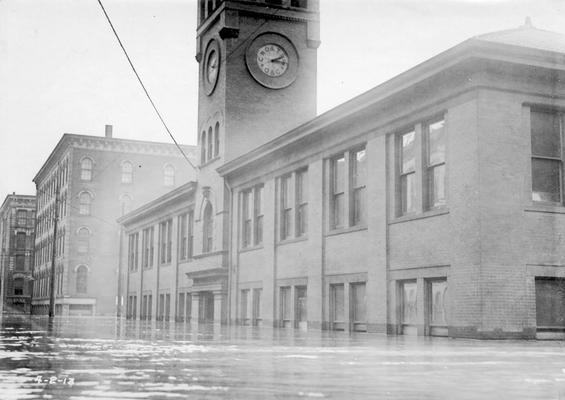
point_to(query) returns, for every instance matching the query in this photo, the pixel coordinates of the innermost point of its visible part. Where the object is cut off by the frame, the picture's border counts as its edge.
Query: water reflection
(95, 358)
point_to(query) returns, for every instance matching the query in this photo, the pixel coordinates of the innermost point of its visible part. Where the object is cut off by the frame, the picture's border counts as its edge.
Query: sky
(62, 70)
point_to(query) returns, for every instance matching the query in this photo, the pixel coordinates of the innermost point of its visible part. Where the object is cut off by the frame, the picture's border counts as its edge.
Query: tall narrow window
(83, 240)
(359, 184)
(22, 217)
(85, 201)
(338, 192)
(210, 144)
(286, 207)
(203, 148)
(81, 279)
(183, 238)
(18, 287)
(409, 308)
(546, 128)
(244, 308)
(435, 135)
(247, 213)
(190, 233)
(407, 176)
(217, 139)
(285, 304)
(21, 240)
(165, 241)
(301, 202)
(133, 253)
(86, 169)
(358, 307)
(20, 262)
(337, 306)
(208, 229)
(169, 175)
(258, 215)
(127, 172)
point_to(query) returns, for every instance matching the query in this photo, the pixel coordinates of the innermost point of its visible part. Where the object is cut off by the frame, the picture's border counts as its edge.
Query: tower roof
(527, 36)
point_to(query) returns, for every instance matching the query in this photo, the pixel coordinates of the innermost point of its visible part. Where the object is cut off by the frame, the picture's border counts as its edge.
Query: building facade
(86, 184)
(430, 205)
(17, 227)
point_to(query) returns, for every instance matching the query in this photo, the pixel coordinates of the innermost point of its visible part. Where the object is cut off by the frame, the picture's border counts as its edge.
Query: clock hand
(278, 59)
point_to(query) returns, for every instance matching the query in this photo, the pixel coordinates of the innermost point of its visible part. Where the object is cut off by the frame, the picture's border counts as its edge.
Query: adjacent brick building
(430, 205)
(97, 180)
(17, 225)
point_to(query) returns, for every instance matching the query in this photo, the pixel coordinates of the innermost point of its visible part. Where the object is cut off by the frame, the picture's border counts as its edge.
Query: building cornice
(471, 49)
(161, 203)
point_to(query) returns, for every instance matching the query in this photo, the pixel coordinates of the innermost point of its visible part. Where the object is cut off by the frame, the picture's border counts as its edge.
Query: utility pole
(53, 256)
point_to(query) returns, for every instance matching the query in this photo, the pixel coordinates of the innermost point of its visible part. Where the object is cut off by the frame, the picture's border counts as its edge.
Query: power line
(142, 85)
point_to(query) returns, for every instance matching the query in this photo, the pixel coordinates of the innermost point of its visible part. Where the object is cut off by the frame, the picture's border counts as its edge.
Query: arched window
(86, 169)
(169, 175)
(125, 202)
(82, 279)
(217, 139)
(127, 172)
(83, 240)
(203, 148)
(85, 201)
(210, 143)
(208, 229)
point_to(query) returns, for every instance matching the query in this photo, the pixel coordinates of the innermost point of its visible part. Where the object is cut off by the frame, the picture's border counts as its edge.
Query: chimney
(108, 131)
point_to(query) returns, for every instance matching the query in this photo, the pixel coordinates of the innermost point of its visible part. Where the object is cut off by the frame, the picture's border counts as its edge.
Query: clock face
(212, 66)
(272, 59)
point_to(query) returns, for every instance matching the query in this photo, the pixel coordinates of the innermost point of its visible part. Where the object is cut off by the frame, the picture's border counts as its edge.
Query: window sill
(426, 214)
(545, 208)
(292, 240)
(210, 161)
(209, 254)
(341, 231)
(251, 248)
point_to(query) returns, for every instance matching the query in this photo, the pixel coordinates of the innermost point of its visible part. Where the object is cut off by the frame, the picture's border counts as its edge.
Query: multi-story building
(87, 183)
(17, 225)
(432, 204)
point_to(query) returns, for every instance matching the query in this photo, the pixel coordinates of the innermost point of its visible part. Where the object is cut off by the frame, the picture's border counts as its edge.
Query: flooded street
(99, 358)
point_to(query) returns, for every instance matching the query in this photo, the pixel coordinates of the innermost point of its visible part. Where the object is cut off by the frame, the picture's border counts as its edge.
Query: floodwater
(98, 358)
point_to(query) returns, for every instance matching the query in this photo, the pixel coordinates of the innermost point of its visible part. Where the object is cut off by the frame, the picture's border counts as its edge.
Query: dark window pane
(545, 134)
(546, 180)
(550, 302)
(358, 299)
(408, 152)
(338, 309)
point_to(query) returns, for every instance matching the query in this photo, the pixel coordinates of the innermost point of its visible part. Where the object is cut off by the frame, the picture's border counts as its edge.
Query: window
(165, 241)
(435, 160)
(127, 172)
(217, 139)
(550, 302)
(81, 279)
(22, 217)
(286, 207)
(436, 302)
(210, 144)
(133, 251)
(408, 307)
(301, 306)
(203, 148)
(407, 173)
(348, 180)
(83, 244)
(86, 169)
(186, 222)
(358, 307)
(125, 201)
(147, 247)
(257, 306)
(547, 159)
(337, 306)
(245, 307)
(359, 183)
(180, 307)
(20, 262)
(285, 304)
(169, 175)
(21, 240)
(338, 191)
(258, 215)
(85, 201)
(247, 215)
(208, 229)
(18, 287)
(301, 202)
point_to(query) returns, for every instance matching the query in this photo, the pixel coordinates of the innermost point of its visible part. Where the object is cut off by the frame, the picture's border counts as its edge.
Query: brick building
(98, 179)
(430, 205)
(17, 224)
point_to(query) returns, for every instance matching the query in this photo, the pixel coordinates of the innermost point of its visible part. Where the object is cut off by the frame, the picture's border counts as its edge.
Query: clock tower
(257, 73)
